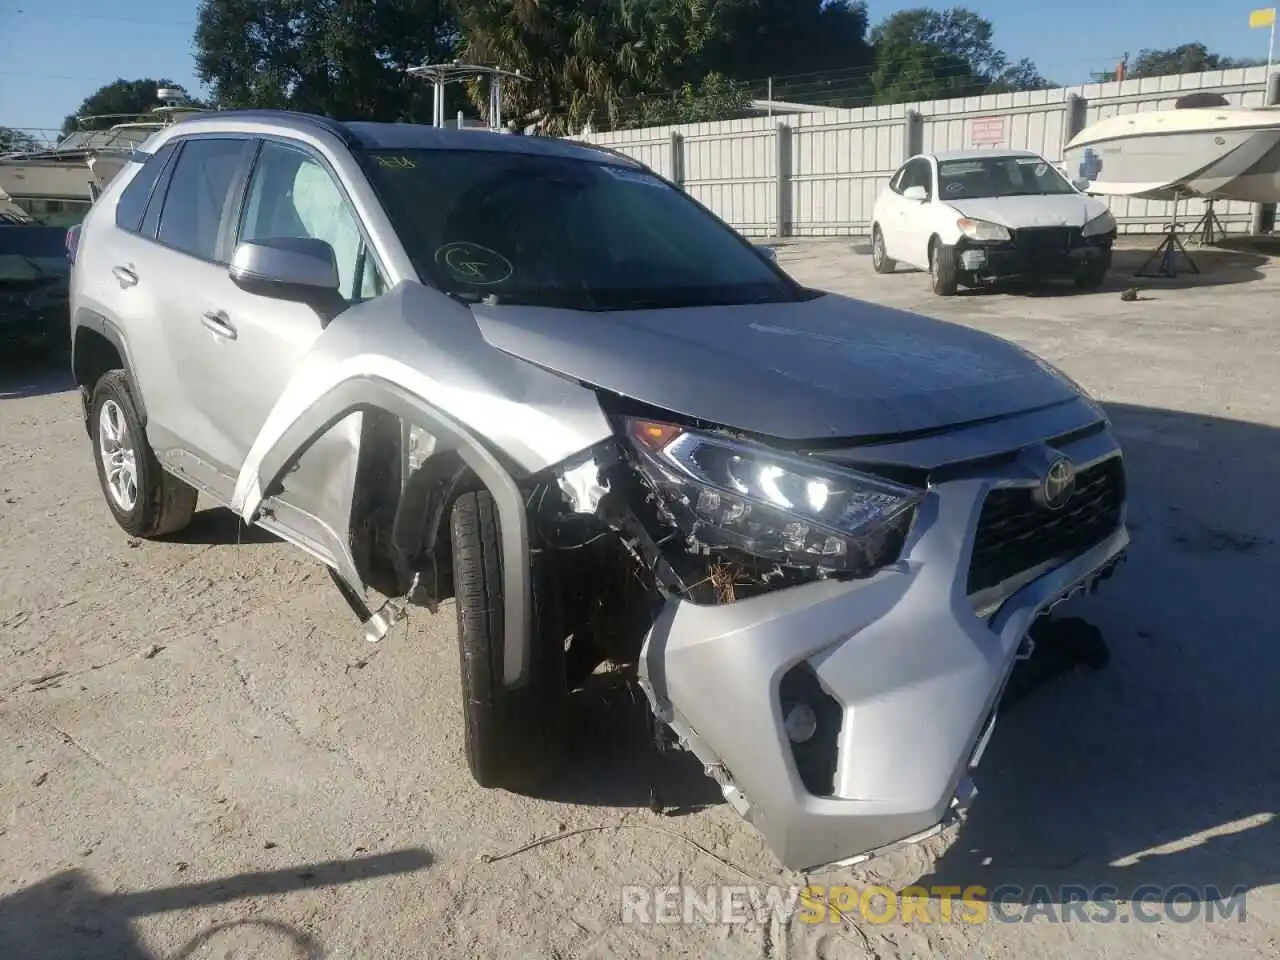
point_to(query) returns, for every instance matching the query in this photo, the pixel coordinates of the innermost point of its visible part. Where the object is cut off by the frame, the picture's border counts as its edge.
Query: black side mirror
(300, 269)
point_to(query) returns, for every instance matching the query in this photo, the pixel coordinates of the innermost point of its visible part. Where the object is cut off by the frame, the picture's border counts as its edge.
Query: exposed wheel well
(93, 356)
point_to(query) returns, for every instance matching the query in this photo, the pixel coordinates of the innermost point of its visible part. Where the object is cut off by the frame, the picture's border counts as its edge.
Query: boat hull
(1225, 161)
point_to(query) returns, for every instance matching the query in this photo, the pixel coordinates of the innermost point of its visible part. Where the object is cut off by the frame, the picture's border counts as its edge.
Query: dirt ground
(201, 759)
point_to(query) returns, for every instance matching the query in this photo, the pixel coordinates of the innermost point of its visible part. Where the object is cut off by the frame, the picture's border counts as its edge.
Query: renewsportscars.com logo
(974, 904)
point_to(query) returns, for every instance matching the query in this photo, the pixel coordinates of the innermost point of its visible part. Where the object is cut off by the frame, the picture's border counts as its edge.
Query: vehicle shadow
(33, 373)
(65, 917)
(613, 758)
(1161, 769)
(220, 526)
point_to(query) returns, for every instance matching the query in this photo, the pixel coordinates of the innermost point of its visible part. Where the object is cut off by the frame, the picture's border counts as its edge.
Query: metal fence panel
(834, 162)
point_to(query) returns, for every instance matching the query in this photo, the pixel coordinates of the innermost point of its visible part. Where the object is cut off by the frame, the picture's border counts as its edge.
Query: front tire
(880, 259)
(514, 738)
(1094, 275)
(944, 269)
(145, 500)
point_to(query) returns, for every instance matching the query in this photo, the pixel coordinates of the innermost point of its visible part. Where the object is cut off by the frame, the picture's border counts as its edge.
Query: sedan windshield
(561, 232)
(999, 177)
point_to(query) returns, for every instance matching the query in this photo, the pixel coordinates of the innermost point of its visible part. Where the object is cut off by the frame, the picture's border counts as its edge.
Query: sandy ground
(200, 758)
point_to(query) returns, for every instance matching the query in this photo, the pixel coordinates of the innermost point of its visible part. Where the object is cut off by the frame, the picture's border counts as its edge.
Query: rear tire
(944, 269)
(880, 260)
(145, 500)
(514, 738)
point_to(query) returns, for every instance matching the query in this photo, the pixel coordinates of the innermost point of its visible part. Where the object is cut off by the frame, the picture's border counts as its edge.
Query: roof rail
(328, 124)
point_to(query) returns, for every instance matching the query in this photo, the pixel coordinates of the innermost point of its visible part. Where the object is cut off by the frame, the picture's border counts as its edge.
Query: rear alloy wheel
(880, 260)
(944, 269)
(144, 499)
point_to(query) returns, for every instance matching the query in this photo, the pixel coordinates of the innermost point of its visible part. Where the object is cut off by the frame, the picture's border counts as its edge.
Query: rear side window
(199, 195)
(133, 200)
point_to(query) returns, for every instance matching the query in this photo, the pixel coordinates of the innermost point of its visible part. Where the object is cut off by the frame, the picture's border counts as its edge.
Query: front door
(233, 352)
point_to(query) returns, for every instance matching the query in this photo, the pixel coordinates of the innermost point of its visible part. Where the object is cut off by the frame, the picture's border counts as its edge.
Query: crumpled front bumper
(914, 671)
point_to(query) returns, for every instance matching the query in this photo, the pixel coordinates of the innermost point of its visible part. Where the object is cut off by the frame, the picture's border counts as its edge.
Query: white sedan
(974, 217)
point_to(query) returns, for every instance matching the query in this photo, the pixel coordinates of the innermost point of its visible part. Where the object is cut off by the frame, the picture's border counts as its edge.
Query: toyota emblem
(1059, 483)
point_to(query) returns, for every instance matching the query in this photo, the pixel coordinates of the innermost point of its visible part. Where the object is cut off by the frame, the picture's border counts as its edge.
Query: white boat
(1201, 148)
(57, 184)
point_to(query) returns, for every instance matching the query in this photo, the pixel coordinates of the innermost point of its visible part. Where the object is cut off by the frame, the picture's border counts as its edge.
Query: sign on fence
(986, 131)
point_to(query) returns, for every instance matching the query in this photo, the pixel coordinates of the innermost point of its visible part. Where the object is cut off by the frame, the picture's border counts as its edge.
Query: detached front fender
(280, 448)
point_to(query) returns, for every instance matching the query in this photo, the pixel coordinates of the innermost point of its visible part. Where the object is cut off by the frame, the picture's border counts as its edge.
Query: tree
(716, 97)
(115, 103)
(925, 54)
(594, 61)
(16, 141)
(789, 39)
(345, 58)
(1187, 58)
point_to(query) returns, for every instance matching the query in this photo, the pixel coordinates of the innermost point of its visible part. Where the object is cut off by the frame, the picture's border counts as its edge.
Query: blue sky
(53, 53)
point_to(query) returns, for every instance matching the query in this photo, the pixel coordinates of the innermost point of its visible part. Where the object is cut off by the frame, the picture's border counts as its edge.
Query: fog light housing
(973, 259)
(801, 723)
(812, 720)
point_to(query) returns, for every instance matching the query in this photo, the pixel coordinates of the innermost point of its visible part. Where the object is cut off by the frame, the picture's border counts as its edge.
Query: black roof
(416, 136)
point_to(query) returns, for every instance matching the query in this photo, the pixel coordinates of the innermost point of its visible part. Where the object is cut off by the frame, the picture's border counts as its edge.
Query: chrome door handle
(215, 321)
(125, 275)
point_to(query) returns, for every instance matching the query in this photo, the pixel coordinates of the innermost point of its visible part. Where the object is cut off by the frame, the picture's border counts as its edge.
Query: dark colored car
(34, 286)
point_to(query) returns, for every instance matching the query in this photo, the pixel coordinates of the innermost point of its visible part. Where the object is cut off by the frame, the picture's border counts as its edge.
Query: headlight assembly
(725, 492)
(982, 230)
(1102, 223)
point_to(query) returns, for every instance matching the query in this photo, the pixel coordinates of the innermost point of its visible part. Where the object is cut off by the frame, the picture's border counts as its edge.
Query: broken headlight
(725, 492)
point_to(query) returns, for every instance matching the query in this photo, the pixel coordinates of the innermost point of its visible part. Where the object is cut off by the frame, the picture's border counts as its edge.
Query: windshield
(31, 252)
(562, 232)
(999, 177)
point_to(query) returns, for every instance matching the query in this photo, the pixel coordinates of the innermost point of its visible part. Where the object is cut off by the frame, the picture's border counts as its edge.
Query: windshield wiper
(472, 296)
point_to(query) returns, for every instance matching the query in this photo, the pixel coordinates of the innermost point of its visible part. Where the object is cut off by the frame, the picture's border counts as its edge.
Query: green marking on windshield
(397, 162)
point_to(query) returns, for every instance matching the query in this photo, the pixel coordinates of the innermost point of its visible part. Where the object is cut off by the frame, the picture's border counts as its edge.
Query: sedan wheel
(880, 261)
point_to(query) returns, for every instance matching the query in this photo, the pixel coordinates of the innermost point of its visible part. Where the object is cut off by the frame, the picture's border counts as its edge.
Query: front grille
(1044, 249)
(1015, 533)
(1046, 240)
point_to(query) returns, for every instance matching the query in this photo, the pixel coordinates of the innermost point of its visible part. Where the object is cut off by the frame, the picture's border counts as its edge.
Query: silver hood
(824, 368)
(1041, 210)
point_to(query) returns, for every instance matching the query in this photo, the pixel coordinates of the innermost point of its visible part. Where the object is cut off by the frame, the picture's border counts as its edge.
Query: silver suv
(533, 376)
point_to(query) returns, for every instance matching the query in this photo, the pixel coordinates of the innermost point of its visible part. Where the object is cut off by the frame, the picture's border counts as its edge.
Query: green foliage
(340, 57)
(598, 62)
(925, 54)
(715, 97)
(1187, 58)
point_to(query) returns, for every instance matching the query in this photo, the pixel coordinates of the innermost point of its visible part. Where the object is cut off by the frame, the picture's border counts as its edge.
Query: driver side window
(291, 194)
(917, 173)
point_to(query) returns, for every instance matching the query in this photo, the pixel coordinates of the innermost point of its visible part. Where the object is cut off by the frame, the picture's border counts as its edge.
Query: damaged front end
(807, 629)
(699, 515)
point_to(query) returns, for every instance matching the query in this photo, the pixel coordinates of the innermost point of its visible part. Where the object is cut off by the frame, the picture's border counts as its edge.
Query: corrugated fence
(817, 174)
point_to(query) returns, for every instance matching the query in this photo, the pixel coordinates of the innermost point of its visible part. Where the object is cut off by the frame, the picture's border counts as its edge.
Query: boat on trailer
(1204, 147)
(57, 184)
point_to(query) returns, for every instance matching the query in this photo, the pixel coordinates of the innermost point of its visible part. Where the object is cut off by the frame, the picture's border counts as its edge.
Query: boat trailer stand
(1165, 256)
